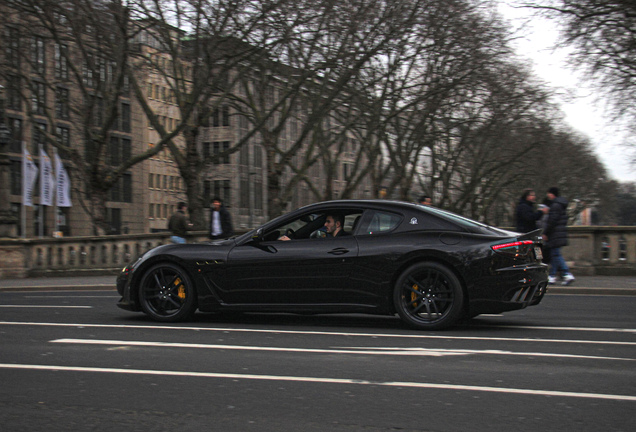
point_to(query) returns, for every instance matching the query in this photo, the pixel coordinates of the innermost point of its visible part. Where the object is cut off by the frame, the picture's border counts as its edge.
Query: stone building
(42, 96)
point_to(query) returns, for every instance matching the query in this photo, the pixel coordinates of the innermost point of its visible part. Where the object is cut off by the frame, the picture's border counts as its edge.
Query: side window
(382, 222)
(351, 222)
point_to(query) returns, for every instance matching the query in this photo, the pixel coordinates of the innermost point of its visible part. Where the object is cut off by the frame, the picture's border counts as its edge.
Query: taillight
(514, 248)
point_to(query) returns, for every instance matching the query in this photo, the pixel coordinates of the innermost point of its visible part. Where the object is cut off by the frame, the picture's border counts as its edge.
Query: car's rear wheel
(167, 294)
(429, 296)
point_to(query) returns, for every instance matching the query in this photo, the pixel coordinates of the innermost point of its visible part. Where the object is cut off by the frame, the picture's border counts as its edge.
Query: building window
(87, 75)
(38, 55)
(114, 217)
(258, 156)
(16, 131)
(244, 155)
(258, 193)
(62, 103)
(215, 118)
(219, 147)
(120, 150)
(38, 98)
(122, 190)
(115, 151)
(63, 135)
(125, 117)
(12, 47)
(61, 61)
(207, 192)
(12, 93)
(347, 171)
(244, 202)
(226, 115)
(16, 177)
(39, 138)
(95, 108)
(128, 187)
(222, 190)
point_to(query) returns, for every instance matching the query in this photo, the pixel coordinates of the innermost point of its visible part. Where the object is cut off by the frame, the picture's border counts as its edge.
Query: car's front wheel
(166, 293)
(428, 296)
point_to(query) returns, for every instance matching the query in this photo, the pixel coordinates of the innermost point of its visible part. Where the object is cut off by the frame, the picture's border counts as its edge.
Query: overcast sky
(537, 37)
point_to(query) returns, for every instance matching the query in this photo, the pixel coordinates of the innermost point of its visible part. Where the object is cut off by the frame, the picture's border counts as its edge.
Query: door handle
(339, 251)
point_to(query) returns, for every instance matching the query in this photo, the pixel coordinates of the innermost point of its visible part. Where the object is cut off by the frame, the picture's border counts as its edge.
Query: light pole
(8, 221)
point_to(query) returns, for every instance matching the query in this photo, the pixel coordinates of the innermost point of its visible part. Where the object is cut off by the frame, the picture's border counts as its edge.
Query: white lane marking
(76, 296)
(590, 329)
(46, 306)
(435, 352)
(367, 351)
(420, 385)
(324, 333)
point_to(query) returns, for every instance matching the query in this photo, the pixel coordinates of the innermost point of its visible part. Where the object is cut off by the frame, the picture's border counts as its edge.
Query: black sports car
(430, 266)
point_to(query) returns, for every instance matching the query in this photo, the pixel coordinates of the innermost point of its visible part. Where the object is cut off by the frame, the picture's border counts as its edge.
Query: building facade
(56, 93)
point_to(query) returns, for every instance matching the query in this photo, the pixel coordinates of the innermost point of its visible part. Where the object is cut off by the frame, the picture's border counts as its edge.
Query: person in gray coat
(555, 236)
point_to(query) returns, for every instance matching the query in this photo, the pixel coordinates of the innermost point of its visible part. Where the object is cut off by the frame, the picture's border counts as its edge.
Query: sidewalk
(593, 285)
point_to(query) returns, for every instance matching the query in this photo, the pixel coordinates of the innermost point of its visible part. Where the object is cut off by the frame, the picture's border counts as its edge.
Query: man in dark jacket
(555, 236)
(526, 214)
(178, 224)
(220, 221)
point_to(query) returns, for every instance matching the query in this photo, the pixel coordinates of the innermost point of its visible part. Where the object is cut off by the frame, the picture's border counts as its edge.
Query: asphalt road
(71, 360)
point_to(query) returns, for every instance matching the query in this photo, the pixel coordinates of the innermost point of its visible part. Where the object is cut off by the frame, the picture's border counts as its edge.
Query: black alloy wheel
(429, 296)
(166, 293)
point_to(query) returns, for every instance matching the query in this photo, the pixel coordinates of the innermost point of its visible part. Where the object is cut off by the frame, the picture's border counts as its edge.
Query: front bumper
(123, 288)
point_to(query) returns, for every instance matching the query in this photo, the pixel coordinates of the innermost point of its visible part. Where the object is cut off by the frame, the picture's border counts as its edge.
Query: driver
(333, 225)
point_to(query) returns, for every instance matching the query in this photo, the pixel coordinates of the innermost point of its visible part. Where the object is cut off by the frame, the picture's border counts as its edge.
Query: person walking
(555, 236)
(220, 221)
(526, 215)
(426, 200)
(178, 224)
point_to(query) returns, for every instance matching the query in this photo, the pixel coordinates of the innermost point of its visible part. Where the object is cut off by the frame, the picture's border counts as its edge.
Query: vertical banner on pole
(29, 175)
(63, 184)
(47, 182)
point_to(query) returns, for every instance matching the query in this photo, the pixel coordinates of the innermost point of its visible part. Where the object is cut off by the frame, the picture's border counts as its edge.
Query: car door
(305, 271)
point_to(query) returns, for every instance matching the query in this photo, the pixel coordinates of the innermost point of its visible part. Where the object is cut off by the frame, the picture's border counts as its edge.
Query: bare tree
(203, 48)
(89, 44)
(603, 35)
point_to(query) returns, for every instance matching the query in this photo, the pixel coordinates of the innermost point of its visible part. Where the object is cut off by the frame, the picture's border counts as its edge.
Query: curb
(591, 291)
(97, 287)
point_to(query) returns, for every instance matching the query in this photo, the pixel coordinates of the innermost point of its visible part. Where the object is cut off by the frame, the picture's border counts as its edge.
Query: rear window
(383, 222)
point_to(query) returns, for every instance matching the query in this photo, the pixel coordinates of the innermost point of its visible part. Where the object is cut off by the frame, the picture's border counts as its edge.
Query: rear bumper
(511, 288)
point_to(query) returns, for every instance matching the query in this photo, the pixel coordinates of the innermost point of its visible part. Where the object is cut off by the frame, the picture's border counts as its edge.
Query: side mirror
(258, 235)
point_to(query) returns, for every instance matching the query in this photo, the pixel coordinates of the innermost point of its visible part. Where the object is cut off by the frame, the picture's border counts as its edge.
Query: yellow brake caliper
(180, 289)
(414, 296)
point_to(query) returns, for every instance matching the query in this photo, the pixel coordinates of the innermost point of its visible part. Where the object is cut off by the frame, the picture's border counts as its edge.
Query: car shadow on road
(335, 322)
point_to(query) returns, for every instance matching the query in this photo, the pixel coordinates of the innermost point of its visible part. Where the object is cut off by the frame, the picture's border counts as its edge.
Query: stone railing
(77, 255)
(592, 250)
(600, 250)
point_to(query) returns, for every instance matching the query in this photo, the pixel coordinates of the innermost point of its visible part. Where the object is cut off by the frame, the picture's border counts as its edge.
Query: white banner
(29, 175)
(47, 181)
(63, 184)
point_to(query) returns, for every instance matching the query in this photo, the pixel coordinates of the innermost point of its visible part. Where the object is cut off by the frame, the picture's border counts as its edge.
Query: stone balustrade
(592, 250)
(78, 255)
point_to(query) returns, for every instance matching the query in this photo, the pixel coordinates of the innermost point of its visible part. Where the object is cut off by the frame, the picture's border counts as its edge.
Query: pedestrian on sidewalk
(220, 221)
(555, 236)
(178, 224)
(526, 214)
